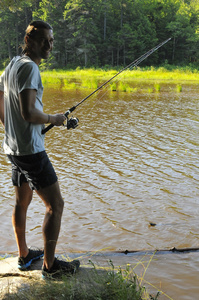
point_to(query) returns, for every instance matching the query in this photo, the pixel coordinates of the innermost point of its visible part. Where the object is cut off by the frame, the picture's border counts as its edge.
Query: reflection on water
(132, 160)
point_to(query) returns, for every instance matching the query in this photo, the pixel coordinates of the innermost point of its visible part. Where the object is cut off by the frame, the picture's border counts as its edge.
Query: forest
(105, 33)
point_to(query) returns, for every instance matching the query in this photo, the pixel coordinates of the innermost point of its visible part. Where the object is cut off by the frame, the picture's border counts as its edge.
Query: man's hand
(57, 119)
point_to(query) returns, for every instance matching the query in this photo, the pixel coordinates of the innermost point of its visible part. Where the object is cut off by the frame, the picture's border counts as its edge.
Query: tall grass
(125, 82)
(179, 88)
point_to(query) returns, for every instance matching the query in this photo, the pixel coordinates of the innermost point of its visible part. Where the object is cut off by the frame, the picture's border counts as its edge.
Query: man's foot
(60, 268)
(25, 262)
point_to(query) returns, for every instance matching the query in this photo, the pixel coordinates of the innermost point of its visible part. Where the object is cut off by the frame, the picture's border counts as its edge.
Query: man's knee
(52, 198)
(56, 207)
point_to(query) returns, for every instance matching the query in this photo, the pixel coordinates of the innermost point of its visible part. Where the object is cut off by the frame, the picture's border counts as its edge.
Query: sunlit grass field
(125, 81)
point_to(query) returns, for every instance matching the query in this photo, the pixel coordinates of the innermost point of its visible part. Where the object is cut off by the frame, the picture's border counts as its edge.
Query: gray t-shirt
(21, 137)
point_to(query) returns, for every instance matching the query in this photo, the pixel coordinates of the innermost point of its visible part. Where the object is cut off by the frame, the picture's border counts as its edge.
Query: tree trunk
(85, 59)
(9, 49)
(112, 58)
(124, 58)
(118, 56)
(174, 46)
(85, 54)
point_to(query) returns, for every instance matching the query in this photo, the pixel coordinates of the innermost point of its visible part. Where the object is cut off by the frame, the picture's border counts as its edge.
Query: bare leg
(23, 199)
(52, 222)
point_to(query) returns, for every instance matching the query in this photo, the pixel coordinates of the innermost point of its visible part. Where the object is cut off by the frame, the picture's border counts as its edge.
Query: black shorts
(36, 169)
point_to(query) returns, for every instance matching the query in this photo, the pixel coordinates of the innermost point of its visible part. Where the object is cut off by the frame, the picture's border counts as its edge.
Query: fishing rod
(73, 122)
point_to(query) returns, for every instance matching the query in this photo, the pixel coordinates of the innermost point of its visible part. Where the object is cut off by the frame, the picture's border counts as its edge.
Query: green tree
(129, 32)
(15, 5)
(105, 32)
(81, 23)
(184, 32)
(52, 12)
(14, 18)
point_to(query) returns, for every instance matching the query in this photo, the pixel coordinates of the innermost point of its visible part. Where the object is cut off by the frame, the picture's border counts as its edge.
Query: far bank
(125, 81)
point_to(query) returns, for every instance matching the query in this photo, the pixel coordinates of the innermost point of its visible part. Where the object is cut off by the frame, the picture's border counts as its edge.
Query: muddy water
(132, 160)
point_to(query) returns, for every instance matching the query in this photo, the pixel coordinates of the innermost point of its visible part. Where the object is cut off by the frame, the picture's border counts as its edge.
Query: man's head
(38, 40)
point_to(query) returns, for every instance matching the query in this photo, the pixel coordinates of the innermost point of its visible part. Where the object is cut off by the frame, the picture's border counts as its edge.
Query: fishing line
(96, 101)
(73, 122)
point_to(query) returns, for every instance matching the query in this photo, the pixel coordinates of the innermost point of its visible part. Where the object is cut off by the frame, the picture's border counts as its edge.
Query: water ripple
(133, 159)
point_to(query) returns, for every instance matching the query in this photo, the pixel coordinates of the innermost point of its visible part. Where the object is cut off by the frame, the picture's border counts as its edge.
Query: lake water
(132, 160)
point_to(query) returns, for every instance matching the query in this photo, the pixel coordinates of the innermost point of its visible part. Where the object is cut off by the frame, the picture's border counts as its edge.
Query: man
(21, 112)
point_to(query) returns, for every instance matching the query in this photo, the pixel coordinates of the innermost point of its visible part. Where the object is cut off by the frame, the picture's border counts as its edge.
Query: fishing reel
(71, 123)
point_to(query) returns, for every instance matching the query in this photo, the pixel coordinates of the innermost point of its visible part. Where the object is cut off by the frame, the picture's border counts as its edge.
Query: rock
(11, 278)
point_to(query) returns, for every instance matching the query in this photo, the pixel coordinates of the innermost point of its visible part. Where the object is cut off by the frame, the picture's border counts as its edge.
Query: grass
(179, 88)
(92, 78)
(93, 284)
(127, 81)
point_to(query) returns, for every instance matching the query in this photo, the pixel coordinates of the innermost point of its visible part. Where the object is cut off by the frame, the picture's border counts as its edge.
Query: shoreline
(93, 273)
(149, 270)
(130, 81)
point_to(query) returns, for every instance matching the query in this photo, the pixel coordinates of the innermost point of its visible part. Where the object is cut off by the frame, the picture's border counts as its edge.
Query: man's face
(42, 44)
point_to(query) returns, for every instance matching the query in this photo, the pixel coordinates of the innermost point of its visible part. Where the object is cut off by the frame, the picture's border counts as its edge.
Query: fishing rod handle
(47, 128)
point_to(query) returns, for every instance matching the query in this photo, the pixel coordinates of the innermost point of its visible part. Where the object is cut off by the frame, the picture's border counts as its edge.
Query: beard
(45, 54)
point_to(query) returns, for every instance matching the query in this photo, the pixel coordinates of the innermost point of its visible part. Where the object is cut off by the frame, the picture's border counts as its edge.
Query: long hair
(32, 32)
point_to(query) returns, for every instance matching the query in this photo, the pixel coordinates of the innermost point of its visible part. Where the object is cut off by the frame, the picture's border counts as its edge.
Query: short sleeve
(28, 77)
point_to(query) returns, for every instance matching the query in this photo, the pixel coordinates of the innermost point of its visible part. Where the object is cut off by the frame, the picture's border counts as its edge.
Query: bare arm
(2, 107)
(31, 114)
